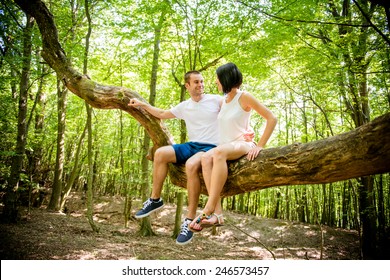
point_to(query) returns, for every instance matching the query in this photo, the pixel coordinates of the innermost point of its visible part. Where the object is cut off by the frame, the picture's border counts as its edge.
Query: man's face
(195, 86)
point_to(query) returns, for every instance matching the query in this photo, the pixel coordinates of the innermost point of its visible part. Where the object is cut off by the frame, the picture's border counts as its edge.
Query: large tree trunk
(10, 212)
(361, 152)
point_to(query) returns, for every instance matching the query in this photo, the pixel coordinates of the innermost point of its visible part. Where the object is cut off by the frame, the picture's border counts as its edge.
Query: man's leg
(163, 156)
(193, 167)
(207, 167)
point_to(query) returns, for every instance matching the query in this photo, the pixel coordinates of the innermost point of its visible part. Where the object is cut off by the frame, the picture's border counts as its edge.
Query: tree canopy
(321, 66)
(358, 153)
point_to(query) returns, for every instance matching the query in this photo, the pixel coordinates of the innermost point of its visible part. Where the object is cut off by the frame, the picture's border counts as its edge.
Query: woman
(233, 121)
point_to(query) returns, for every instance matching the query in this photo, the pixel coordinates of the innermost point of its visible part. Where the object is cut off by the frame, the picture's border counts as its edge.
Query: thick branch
(360, 152)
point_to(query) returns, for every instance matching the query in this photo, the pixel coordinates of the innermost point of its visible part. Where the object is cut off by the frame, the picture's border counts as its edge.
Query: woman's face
(218, 85)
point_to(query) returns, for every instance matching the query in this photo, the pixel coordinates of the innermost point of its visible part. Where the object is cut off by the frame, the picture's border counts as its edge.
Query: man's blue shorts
(186, 150)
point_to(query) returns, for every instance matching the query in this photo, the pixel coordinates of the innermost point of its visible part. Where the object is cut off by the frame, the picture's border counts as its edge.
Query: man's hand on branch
(134, 102)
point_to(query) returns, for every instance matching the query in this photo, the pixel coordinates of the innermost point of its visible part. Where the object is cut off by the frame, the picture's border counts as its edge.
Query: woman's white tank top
(233, 121)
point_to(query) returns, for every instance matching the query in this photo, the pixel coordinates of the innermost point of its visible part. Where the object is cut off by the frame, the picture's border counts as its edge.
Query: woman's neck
(231, 94)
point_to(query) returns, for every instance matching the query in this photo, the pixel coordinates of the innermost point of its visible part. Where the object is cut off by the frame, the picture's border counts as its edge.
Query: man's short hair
(187, 76)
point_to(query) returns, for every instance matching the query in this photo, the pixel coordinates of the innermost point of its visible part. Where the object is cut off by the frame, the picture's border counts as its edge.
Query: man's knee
(165, 154)
(193, 166)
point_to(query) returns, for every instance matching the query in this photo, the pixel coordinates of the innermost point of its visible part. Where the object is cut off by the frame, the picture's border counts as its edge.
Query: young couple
(218, 130)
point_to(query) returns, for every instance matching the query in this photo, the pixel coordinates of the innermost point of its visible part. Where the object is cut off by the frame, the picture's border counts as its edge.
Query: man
(200, 113)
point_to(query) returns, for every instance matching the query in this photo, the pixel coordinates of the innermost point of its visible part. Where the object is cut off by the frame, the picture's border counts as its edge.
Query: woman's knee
(207, 159)
(219, 154)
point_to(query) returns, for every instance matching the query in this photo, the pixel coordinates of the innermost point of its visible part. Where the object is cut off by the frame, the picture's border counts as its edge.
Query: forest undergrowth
(44, 235)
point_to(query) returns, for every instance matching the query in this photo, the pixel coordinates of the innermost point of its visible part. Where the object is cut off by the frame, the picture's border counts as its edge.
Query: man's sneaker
(185, 235)
(149, 207)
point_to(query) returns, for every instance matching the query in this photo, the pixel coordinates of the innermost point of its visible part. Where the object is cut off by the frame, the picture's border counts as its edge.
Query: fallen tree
(360, 152)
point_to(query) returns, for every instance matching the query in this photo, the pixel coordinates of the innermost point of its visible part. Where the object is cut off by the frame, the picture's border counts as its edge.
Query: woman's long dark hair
(229, 76)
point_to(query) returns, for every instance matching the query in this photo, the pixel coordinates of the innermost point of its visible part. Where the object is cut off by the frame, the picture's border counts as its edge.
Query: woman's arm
(248, 101)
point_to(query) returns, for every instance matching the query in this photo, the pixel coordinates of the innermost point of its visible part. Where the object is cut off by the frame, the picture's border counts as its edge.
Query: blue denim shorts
(186, 150)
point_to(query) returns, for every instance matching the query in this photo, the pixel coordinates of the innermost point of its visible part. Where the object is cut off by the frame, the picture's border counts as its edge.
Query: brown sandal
(218, 223)
(198, 221)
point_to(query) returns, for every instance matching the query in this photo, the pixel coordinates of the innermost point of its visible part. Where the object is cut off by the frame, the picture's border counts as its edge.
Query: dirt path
(44, 235)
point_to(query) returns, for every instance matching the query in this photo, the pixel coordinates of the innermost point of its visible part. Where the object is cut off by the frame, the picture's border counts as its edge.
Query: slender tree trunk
(345, 205)
(179, 205)
(37, 114)
(14, 86)
(241, 207)
(55, 199)
(368, 218)
(382, 235)
(146, 228)
(11, 209)
(315, 207)
(125, 187)
(324, 215)
(276, 212)
(248, 202)
(90, 171)
(40, 121)
(287, 216)
(330, 205)
(75, 170)
(95, 168)
(91, 162)
(301, 202)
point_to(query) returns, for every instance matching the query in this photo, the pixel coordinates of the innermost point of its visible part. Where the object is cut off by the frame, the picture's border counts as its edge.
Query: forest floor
(43, 235)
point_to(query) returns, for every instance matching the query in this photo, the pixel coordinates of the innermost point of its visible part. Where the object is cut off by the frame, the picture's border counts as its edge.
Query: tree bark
(75, 170)
(11, 209)
(360, 152)
(55, 199)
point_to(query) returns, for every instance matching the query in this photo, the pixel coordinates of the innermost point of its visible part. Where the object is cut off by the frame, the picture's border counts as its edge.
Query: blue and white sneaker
(185, 235)
(149, 207)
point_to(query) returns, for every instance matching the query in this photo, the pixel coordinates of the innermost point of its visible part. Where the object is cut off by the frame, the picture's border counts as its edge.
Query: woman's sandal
(203, 217)
(198, 221)
(218, 223)
(195, 229)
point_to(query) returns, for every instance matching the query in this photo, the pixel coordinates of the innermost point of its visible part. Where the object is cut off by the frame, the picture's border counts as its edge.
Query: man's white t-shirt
(200, 118)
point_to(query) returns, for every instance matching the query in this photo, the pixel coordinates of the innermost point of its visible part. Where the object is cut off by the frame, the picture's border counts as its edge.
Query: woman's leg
(207, 166)
(219, 172)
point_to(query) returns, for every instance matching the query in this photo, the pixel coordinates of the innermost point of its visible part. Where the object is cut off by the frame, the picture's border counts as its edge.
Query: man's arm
(157, 112)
